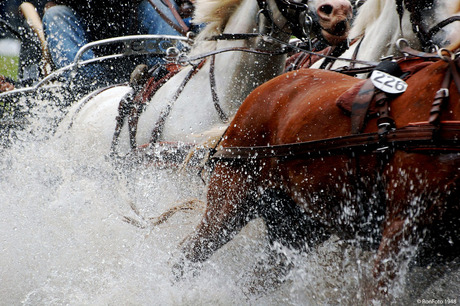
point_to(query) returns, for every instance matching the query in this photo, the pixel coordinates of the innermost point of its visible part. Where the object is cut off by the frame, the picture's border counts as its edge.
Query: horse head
(379, 24)
(334, 19)
(326, 19)
(434, 22)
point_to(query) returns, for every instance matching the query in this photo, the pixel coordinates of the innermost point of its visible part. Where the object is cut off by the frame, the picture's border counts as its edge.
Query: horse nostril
(326, 9)
(341, 27)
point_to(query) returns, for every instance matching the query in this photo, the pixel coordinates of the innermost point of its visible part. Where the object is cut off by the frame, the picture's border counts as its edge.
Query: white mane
(218, 11)
(215, 13)
(367, 13)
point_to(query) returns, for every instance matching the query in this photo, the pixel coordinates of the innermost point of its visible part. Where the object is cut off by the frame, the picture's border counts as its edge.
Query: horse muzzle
(334, 20)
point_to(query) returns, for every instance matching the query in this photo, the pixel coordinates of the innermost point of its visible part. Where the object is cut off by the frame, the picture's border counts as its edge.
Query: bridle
(296, 15)
(425, 36)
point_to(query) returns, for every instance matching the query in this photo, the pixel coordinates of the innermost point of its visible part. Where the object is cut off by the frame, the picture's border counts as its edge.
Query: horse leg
(288, 224)
(396, 239)
(422, 214)
(229, 208)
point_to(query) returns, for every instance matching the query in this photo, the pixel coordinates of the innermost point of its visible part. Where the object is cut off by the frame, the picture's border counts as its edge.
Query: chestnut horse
(290, 157)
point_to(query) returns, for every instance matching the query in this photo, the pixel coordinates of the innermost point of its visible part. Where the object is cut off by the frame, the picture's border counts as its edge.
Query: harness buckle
(443, 92)
(382, 149)
(446, 55)
(384, 127)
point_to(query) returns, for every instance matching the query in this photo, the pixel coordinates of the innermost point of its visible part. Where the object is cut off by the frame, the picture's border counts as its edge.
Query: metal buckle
(382, 149)
(444, 92)
(450, 55)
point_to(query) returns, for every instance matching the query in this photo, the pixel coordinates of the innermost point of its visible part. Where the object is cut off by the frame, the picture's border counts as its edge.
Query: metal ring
(398, 44)
(307, 25)
(358, 3)
(450, 55)
(258, 16)
(191, 37)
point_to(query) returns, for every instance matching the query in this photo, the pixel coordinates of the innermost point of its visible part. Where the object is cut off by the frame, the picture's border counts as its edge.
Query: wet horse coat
(387, 199)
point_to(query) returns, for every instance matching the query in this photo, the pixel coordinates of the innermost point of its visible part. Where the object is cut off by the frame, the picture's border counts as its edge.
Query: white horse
(378, 26)
(92, 120)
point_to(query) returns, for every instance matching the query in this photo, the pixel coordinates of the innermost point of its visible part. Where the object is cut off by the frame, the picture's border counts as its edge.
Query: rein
(287, 47)
(186, 60)
(415, 137)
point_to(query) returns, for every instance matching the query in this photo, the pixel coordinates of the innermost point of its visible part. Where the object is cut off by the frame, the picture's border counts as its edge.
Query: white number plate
(388, 83)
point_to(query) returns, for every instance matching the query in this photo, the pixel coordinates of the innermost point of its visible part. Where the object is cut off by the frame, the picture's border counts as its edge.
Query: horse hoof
(177, 272)
(184, 269)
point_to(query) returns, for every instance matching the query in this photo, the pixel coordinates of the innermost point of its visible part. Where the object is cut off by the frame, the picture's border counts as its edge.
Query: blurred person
(70, 24)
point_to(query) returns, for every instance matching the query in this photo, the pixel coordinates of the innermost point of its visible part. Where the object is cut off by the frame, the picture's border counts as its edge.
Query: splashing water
(63, 239)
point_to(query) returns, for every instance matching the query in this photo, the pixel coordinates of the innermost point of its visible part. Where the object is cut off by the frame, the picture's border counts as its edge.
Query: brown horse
(289, 156)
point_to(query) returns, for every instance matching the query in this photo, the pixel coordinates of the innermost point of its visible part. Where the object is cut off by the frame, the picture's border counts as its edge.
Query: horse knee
(396, 247)
(218, 226)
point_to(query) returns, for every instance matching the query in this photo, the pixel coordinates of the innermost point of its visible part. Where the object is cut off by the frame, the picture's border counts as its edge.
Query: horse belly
(189, 120)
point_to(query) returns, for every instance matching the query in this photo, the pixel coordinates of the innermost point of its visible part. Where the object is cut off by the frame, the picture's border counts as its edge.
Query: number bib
(388, 83)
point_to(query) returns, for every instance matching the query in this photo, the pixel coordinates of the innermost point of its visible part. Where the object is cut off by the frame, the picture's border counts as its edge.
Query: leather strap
(215, 98)
(176, 15)
(385, 122)
(414, 137)
(442, 95)
(361, 105)
(159, 125)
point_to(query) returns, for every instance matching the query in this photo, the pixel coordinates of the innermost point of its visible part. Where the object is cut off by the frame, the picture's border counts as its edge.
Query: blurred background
(9, 10)
(9, 44)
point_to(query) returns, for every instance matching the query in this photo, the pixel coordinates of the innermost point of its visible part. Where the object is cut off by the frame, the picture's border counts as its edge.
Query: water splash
(63, 240)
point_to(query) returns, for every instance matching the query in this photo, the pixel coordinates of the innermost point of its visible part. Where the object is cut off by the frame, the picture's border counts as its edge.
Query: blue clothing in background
(67, 31)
